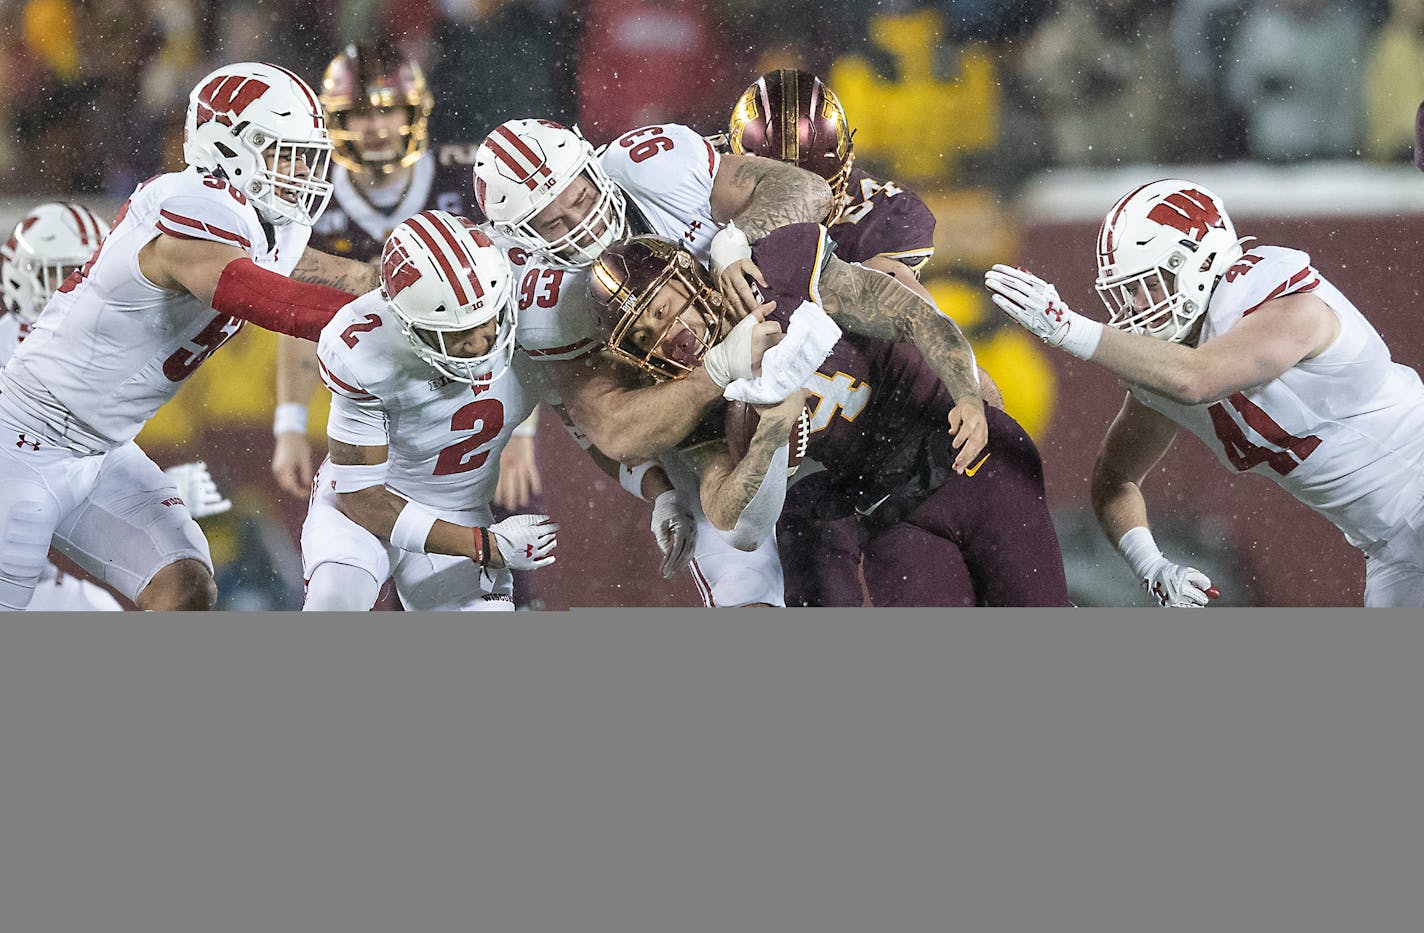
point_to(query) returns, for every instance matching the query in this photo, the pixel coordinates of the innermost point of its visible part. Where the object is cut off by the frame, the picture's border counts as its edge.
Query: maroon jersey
(883, 218)
(869, 396)
(354, 227)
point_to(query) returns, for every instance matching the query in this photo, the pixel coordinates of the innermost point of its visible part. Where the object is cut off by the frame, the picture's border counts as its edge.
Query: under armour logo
(172, 501)
(691, 233)
(34, 445)
(1159, 591)
(1055, 311)
(529, 550)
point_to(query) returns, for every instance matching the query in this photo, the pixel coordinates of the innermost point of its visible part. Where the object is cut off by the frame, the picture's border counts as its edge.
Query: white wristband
(631, 478)
(1140, 551)
(412, 527)
(1082, 336)
(290, 416)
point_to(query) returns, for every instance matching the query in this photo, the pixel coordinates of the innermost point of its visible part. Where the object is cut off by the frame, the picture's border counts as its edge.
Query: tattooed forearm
(320, 268)
(873, 304)
(779, 194)
(728, 489)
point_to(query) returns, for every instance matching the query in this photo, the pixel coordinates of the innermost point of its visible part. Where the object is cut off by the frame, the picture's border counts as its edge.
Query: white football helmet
(1161, 251)
(523, 166)
(260, 127)
(442, 275)
(49, 243)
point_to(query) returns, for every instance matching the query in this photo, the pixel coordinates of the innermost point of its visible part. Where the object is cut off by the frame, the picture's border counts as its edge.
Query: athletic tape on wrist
(412, 527)
(631, 478)
(1140, 550)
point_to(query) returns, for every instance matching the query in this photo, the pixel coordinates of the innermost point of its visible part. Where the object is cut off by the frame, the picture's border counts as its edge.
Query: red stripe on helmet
(417, 226)
(79, 220)
(539, 165)
(462, 254)
(306, 91)
(1105, 243)
(524, 175)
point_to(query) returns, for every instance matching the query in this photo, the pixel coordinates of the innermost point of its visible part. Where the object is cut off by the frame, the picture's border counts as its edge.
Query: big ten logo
(1013, 358)
(232, 389)
(928, 105)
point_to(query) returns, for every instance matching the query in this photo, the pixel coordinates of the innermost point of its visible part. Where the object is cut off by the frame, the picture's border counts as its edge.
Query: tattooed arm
(346, 274)
(760, 195)
(988, 388)
(763, 194)
(744, 499)
(871, 303)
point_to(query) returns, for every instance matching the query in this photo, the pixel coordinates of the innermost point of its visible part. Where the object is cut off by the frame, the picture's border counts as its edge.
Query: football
(740, 424)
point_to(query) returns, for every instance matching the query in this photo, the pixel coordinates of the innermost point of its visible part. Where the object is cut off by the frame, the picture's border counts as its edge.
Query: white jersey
(669, 193)
(444, 437)
(667, 171)
(1343, 432)
(112, 347)
(11, 333)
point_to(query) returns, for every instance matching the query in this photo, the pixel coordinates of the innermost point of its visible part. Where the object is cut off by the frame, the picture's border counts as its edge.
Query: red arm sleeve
(276, 302)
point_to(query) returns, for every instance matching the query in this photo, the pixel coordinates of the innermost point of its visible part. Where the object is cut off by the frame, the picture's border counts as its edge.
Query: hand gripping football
(740, 423)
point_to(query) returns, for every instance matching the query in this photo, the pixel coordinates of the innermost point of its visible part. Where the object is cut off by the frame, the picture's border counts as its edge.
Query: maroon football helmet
(791, 116)
(369, 77)
(625, 284)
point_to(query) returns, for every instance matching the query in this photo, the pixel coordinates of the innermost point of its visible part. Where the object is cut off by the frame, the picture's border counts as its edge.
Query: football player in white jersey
(427, 387)
(542, 185)
(1261, 357)
(192, 256)
(48, 244)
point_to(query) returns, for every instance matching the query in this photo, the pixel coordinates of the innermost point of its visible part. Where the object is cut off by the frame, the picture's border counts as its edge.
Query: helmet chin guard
(260, 127)
(1161, 251)
(524, 166)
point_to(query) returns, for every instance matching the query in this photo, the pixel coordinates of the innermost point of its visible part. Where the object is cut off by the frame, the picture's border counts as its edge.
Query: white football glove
(197, 489)
(675, 530)
(1035, 304)
(1171, 584)
(525, 541)
(1181, 587)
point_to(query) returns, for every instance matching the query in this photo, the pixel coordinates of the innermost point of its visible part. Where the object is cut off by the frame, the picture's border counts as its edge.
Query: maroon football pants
(985, 539)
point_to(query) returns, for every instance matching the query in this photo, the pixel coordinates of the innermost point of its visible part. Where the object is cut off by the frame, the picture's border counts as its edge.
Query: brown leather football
(740, 423)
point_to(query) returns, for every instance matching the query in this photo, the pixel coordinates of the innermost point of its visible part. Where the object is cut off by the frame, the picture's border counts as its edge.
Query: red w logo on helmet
(397, 271)
(227, 96)
(1189, 211)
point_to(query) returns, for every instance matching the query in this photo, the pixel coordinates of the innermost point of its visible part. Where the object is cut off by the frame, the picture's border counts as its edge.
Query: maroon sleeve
(791, 259)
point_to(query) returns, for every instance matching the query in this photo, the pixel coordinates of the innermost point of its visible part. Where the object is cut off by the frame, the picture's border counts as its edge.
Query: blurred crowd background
(1018, 121)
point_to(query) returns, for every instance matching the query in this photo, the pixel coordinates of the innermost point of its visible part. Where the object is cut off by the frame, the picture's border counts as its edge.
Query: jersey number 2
(1288, 451)
(462, 457)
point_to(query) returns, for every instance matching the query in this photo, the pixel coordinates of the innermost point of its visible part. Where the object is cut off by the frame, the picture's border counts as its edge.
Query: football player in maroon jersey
(931, 536)
(792, 116)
